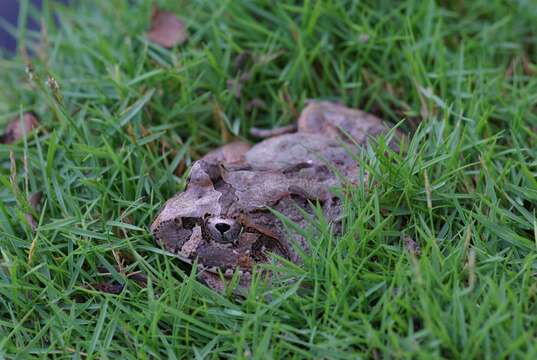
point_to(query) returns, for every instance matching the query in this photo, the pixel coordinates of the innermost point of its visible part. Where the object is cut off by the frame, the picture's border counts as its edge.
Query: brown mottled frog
(226, 217)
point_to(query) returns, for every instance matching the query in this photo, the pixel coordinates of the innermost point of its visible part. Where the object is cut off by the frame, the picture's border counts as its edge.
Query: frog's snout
(223, 230)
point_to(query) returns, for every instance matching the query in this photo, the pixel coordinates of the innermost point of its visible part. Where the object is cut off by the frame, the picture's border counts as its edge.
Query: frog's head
(196, 225)
(189, 209)
(196, 213)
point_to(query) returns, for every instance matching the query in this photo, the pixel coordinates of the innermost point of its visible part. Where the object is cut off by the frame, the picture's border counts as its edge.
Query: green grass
(459, 75)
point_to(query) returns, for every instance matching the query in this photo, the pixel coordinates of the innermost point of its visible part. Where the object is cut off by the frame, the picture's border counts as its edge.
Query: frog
(229, 220)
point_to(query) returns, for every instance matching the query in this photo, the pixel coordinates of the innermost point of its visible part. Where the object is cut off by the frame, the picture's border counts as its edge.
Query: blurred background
(9, 13)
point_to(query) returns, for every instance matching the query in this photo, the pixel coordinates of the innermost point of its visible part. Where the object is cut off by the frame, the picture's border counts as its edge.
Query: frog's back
(285, 152)
(333, 120)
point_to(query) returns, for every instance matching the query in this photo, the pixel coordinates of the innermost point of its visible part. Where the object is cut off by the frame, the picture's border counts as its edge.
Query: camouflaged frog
(226, 217)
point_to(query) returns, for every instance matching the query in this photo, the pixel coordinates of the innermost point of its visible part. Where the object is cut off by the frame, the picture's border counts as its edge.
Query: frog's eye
(224, 230)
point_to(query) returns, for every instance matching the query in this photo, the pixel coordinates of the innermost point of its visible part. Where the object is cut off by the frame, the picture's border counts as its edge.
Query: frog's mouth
(218, 259)
(218, 263)
(250, 248)
(217, 272)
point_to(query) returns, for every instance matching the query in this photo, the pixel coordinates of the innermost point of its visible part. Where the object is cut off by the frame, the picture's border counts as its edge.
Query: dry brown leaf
(241, 59)
(114, 288)
(34, 201)
(256, 103)
(139, 278)
(166, 29)
(17, 128)
(412, 246)
(234, 86)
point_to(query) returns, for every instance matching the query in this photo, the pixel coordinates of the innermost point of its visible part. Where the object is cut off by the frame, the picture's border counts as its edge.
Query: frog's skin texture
(225, 217)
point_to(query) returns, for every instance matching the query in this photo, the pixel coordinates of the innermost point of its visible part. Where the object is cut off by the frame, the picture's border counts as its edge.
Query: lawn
(123, 119)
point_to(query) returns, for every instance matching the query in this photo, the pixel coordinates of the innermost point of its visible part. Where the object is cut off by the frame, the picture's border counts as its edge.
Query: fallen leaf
(255, 104)
(528, 68)
(241, 59)
(17, 128)
(247, 76)
(234, 86)
(166, 29)
(115, 287)
(412, 246)
(139, 278)
(109, 288)
(34, 201)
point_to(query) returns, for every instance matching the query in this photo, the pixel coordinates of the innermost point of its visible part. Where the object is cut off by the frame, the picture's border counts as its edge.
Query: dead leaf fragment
(17, 128)
(115, 287)
(255, 104)
(241, 59)
(139, 278)
(34, 201)
(235, 85)
(412, 246)
(166, 29)
(108, 288)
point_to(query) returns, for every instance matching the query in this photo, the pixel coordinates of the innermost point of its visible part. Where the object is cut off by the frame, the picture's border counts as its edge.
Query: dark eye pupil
(222, 227)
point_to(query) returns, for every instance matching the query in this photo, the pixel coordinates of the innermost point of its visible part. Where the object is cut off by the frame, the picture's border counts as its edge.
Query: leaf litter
(166, 29)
